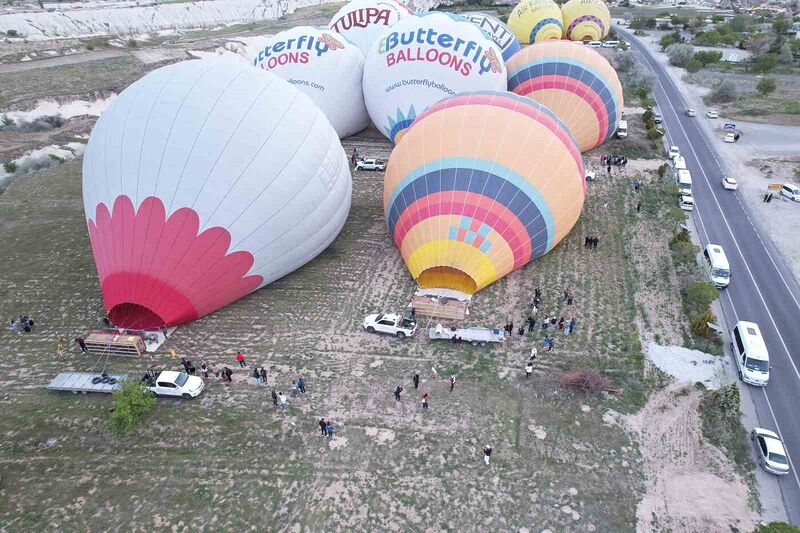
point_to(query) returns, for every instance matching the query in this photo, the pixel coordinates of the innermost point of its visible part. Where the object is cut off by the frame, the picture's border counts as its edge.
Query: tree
(131, 402)
(693, 66)
(761, 44)
(723, 92)
(680, 54)
(777, 527)
(699, 297)
(766, 86)
(12, 33)
(766, 63)
(781, 25)
(622, 60)
(785, 55)
(710, 38)
(717, 18)
(739, 23)
(667, 40)
(699, 325)
(706, 57)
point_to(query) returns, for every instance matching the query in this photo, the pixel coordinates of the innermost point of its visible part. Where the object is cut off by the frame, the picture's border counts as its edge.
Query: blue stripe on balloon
(541, 24)
(574, 70)
(482, 177)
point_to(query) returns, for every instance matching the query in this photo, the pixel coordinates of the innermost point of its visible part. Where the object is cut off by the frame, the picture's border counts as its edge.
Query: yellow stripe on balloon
(463, 256)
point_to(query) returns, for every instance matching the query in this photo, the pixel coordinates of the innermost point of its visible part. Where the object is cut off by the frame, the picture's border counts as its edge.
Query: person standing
(528, 370)
(282, 401)
(561, 323)
(323, 427)
(566, 294)
(570, 297)
(521, 331)
(413, 314)
(397, 392)
(452, 382)
(81, 343)
(572, 324)
(531, 324)
(204, 369)
(240, 359)
(257, 376)
(487, 453)
(638, 207)
(329, 429)
(534, 353)
(415, 379)
(586, 242)
(425, 401)
(550, 342)
(301, 384)
(274, 398)
(263, 375)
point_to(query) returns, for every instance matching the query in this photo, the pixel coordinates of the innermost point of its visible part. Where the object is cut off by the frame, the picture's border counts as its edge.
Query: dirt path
(691, 485)
(73, 59)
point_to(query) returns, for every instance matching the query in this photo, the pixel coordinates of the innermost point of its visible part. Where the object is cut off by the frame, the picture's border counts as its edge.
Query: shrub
(693, 66)
(699, 324)
(684, 252)
(654, 134)
(12, 33)
(667, 40)
(131, 402)
(10, 167)
(587, 379)
(662, 172)
(723, 92)
(777, 527)
(766, 63)
(132, 43)
(680, 54)
(647, 116)
(699, 296)
(721, 422)
(707, 57)
(766, 86)
(681, 236)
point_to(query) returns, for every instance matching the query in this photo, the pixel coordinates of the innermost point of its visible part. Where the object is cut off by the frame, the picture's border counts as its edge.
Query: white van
(622, 129)
(719, 271)
(686, 202)
(593, 44)
(750, 353)
(679, 162)
(683, 178)
(610, 44)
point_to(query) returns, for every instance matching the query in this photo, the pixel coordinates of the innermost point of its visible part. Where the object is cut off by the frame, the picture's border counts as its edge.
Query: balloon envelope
(499, 32)
(323, 65)
(586, 20)
(422, 59)
(574, 81)
(363, 21)
(481, 184)
(534, 21)
(204, 181)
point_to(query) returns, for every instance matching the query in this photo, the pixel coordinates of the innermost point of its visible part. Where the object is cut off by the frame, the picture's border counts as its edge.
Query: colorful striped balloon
(482, 183)
(576, 82)
(586, 20)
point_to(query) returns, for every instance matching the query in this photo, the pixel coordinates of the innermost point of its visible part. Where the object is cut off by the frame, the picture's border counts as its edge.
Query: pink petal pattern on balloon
(157, 271)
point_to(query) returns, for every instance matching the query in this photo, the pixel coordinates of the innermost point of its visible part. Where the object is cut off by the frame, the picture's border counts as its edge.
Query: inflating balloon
(323, 65)
(586, 20)
(363, 21)
(534, 21)
(480, 185)
(574, 81)
(422, 59)
(499, 32)
(204, 181)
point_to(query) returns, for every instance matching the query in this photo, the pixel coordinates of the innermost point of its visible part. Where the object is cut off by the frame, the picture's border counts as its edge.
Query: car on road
(593, 44)
(750, 353)
(711, 113)
(674, 152)
(729, 138)
(657, 118)
(792, 192)
(691, 112)
(610, 44)
(679, 163)
(391, 324)
(729, 184)
(772, 454)
(370, 164)
(686, 202)
(175, 384)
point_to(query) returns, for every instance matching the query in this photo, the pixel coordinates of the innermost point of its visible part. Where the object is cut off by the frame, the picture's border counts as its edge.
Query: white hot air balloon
(422, 59)
(323, 65)
(363, 21)
(204, 181)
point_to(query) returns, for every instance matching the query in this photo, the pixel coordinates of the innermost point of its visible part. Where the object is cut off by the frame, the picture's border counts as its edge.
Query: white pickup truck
(370, 164)
(391, 324)
(172, 383)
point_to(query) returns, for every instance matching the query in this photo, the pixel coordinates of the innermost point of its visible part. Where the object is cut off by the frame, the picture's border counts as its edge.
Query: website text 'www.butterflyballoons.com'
(426, 82)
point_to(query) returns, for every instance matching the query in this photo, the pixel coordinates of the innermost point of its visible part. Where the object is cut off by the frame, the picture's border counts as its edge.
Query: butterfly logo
(330, 41)
(494, 61)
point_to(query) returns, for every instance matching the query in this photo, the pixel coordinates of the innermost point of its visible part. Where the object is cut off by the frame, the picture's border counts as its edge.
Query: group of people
(24, 324)
(615, 160)
(767, 197)
(591, 241)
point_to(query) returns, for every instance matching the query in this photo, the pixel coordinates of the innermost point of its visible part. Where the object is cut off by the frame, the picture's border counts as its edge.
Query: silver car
(771, 452)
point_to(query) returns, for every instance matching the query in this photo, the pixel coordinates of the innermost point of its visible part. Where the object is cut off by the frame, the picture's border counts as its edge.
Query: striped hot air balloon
(482, 183)
(204, 181)
(534, 21)
(585, 20)
(574, 81)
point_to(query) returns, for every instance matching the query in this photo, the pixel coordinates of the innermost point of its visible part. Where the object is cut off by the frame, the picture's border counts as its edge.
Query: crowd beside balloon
(206, 180)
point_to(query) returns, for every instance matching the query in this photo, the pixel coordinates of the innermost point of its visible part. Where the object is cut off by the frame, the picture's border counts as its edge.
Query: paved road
(58, 61)
(762, 288)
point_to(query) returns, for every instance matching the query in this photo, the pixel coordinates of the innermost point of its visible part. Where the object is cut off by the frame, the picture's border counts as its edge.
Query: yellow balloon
(534, 21)
(585, 20)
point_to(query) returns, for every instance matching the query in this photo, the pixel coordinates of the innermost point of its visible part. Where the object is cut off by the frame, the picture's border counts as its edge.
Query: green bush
(132, 43)
(132, 401)
(777, 527)
(699, 324)
(681, 236)
(766, 63)
(10, 167)
(693, 66)
(707, 57)
(721, 422)
(654, 133)
(683, 252)
(723, 92)
(766, 86)
(699, 296)
(12, 33)
(662, 171)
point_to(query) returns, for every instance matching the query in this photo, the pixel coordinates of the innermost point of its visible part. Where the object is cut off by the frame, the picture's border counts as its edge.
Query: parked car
(730, 138)
(591, 175)
(686, 202)
(691, 112)
(771, 452)
(610, 44)
(370, 164)
(792, 192)
(711, 113)
(674, 151)
(729, 184)
(176, 384)
(657, 118)
(593, 44)
(390, 324)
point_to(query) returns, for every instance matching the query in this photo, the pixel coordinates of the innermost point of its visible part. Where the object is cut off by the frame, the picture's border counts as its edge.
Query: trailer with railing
(474, 336)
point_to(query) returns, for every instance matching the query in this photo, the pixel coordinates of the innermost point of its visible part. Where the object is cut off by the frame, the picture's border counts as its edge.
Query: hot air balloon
(499, 32)
(363, 21)
(585, 20)
(480, 185)
(204, 181)
(576, 82)
(534, 21)
(422, 59)
(323, 65)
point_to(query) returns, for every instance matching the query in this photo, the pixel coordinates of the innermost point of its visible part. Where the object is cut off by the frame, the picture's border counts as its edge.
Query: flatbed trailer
(475, 336)
(82, 382)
